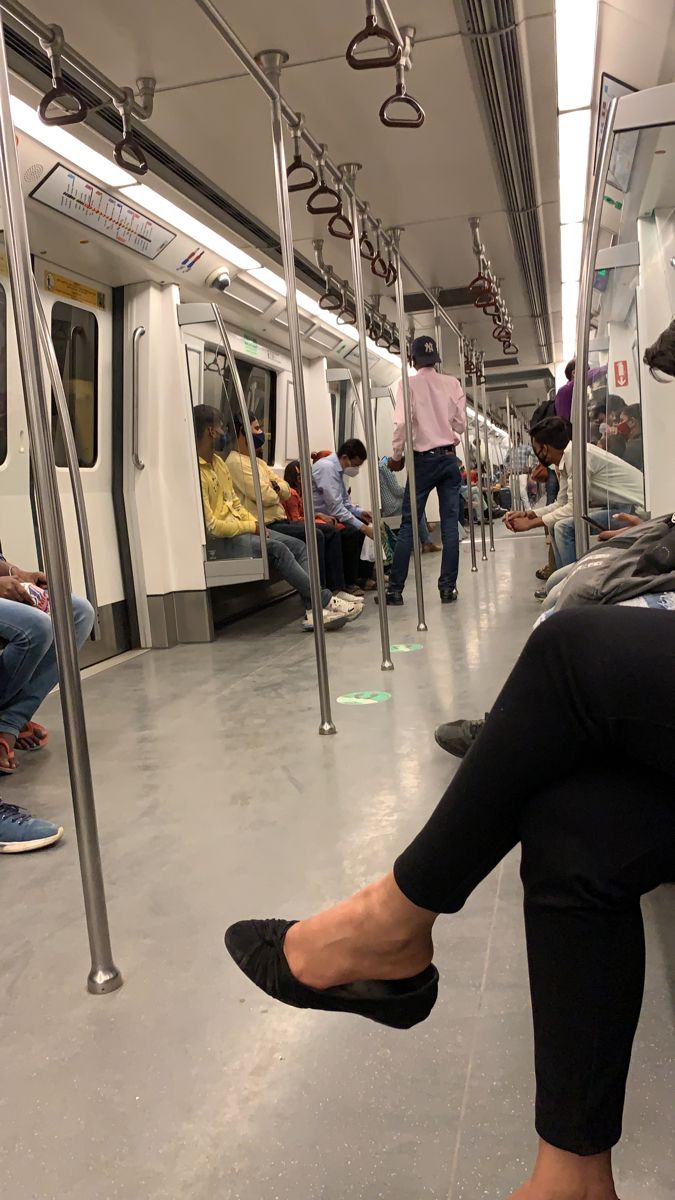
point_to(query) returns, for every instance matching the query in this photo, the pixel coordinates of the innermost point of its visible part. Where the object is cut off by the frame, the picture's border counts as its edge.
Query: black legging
(594, 837)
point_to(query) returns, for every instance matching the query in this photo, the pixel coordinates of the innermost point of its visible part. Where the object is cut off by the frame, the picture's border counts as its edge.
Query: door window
(75, 338)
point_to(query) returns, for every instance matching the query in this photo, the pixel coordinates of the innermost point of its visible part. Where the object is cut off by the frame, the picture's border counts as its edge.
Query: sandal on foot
(32, 737)
(8, 763)
(257, 948)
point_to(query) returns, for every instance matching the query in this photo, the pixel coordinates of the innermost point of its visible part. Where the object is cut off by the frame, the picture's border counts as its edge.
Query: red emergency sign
(621, 373)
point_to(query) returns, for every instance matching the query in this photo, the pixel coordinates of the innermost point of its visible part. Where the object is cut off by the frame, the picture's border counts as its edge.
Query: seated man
(232, 532)
(391, 496)
(331, 497)
(275, 493)
(28, 672)
(614, 486)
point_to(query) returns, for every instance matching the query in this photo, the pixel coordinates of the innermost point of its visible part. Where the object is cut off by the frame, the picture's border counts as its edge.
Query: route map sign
(78, 198)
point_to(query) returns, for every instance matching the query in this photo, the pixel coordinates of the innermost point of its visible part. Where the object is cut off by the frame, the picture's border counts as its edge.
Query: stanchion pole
(488, 464)
(104, 976)
(271, 62)
(479, 459)
(409, 452)
(467, 458)
(349, 173)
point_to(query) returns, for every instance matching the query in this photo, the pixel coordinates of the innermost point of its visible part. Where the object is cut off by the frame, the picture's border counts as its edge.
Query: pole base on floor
(474, 570)
(387, 665)
(103, 980)
(483, 558)
(422, 627)
(326, 728)
(492, 549)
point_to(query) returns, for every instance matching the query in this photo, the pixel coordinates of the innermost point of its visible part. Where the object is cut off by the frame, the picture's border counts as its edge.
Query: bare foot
(376, 934)
(560, 1175)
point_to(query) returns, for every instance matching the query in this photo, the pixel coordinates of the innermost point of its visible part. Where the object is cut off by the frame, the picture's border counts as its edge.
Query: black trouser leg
(593, 844)
(335, 574)
(610, 681)
(352, 542)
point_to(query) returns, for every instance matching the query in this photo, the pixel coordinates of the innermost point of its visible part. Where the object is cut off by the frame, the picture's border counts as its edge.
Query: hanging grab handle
(509, 349)
(406, 104)
(58, 91)
(346, 315)
(128, 154)
(365, 62)
(293, 171)
(378, 266)
(324, 199)
(366, 247)
(331, 301)
(340, 226)
(392, 274)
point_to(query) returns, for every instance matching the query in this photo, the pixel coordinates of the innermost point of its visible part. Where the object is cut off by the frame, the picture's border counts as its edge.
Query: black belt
(435, 453)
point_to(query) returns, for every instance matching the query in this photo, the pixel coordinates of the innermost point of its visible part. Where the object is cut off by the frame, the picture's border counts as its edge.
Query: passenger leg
(352, 542)
(289, 557)
(335, 573)
(448, 482)
(404, 541)
(28, 668)
(522, 484)
(298, 530)
(564, 542)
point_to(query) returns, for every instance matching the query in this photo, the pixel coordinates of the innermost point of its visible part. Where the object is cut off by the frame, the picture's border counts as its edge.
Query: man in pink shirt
(438, 418)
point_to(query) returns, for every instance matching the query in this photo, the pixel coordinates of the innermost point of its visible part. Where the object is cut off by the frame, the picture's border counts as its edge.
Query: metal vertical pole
(467, 457)
(479, 465)
(104, 975)
(438, 328)
(488, 464)
(409, 451)
(350, 171)
(271, 62)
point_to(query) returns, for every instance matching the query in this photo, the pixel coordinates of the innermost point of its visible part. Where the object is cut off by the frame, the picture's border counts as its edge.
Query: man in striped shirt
(520, 461)
(391, 497)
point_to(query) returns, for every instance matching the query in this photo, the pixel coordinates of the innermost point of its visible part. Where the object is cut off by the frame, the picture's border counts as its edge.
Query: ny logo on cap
(428, 347)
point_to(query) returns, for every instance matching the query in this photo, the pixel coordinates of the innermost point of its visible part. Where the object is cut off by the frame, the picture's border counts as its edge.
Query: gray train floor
(217, 799)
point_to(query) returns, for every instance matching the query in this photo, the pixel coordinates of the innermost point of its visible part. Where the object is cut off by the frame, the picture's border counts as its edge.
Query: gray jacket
(609, 573)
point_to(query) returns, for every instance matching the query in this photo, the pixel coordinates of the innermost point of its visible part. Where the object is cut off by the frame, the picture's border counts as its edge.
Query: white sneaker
(357, 601)
(332, 619)
(346, 607)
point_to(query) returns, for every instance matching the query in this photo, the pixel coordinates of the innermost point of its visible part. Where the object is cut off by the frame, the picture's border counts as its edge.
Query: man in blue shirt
(331, 497)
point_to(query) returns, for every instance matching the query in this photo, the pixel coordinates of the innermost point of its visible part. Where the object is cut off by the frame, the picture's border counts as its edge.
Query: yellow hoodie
(224, 514)
(242, 477)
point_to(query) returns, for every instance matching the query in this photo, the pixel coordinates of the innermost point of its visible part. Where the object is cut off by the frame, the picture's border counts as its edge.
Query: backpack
(633, 564)
(542, 411)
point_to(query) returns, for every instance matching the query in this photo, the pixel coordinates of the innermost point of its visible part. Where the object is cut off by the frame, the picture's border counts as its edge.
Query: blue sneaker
(19, 831)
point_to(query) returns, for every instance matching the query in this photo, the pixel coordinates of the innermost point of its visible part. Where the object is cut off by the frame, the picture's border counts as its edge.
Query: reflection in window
(75, 338)
(3, 374)
(259, 385)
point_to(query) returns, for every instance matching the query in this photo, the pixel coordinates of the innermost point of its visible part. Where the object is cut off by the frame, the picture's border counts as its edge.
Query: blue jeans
(440, 471)
(563, 539)
(552, 486)
(28, 669)
(288, 556)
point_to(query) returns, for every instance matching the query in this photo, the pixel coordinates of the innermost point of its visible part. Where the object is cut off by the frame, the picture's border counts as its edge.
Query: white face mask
(351, 471)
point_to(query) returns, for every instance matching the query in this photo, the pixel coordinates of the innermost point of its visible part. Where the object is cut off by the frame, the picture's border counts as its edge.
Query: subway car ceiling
(211, 116)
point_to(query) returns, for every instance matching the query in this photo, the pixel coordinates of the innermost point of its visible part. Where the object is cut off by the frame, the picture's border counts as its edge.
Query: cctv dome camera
(219, 279)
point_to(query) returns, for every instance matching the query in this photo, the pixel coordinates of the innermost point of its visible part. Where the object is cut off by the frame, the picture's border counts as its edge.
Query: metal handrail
(139, 332)
(246, 425)
(488, 464)
(72, 459)
(103, 976)
(579, 413)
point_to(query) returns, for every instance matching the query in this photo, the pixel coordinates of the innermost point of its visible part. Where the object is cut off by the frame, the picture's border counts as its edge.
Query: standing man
(438, 409)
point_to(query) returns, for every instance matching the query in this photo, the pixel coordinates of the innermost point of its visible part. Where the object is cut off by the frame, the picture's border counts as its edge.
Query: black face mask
(220, 442)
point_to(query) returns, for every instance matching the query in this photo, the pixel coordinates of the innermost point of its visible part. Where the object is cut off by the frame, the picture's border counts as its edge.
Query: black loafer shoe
(257, 948)
(449, 595)
(457, 737)
(392, 598)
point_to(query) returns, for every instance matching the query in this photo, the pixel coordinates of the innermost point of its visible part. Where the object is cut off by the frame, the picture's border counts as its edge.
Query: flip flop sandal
(32, 733)
(257, 948)
(8, 763)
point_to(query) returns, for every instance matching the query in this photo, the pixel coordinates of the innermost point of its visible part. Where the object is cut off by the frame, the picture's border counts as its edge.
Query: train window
(259, 385)
(3, 374)
(75, 338)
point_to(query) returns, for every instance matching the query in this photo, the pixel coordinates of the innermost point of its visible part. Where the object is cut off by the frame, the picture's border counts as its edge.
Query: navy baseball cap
(424, 352)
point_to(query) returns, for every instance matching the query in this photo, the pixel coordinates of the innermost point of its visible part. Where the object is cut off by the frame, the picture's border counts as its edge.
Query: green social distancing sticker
(364, 697)
(405, 647)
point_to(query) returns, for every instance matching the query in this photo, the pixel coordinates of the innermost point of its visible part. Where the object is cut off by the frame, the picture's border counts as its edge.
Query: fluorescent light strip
(573, 137)
(66, 146)
(571, 238)
(575, 36)
(160, 207)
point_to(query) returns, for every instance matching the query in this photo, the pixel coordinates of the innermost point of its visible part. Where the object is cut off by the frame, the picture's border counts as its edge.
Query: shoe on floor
(369, 585)
(430, 548)
(345, 608)
(331, 620)
(392, 598)
(358, 601)
(448, 595)
(457, 737)
(544, 573)
(19, 831)
(540, 594)
(257, 948)
(354, 591)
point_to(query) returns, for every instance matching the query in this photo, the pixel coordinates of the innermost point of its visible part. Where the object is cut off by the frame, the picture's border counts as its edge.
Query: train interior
(216, 796)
